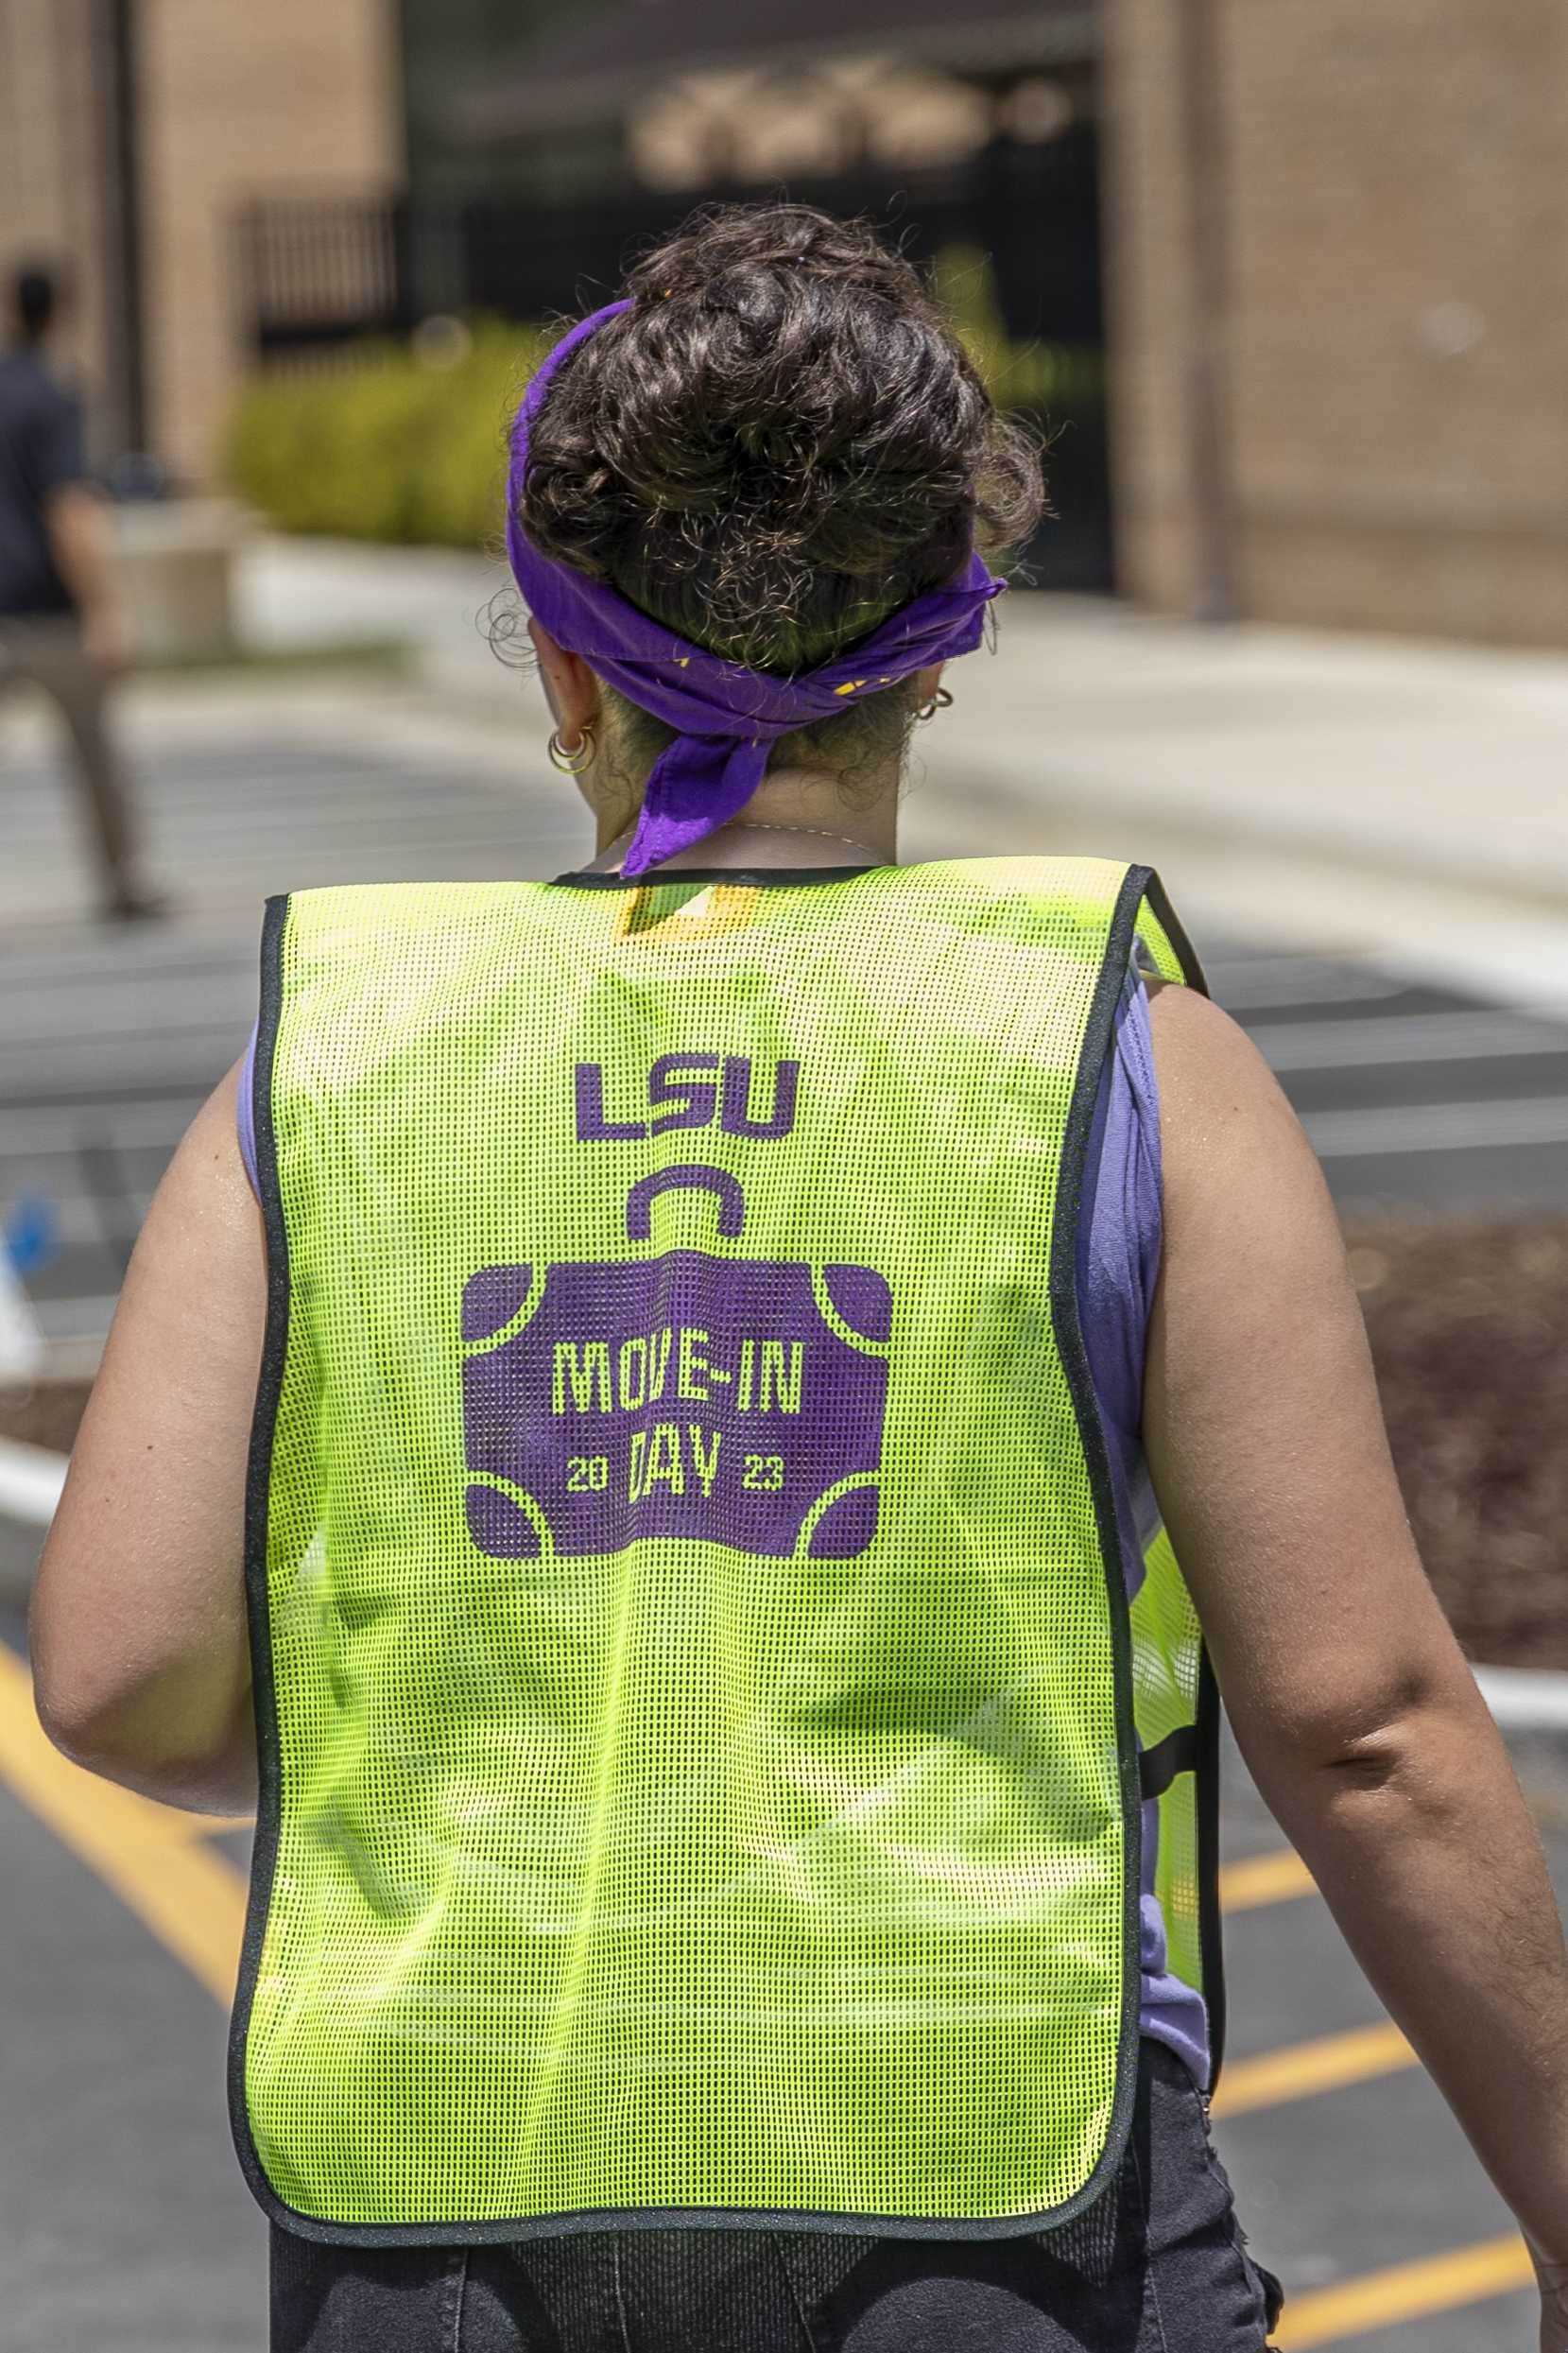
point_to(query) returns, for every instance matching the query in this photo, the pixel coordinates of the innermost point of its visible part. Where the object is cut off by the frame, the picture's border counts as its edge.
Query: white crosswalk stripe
(1403, 1038)
(1379, 1131)
(108, 1041)
(1248, 984)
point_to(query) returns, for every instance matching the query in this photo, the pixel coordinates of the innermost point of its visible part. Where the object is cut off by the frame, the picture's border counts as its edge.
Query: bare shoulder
(1200, 1043)
(1222, 1111)
(1261, 1419)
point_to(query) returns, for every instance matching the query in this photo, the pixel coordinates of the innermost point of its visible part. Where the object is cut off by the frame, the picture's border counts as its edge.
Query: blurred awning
(589, 67)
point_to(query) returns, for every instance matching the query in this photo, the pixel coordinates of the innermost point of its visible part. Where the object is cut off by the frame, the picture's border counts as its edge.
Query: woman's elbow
(184, 1737)
(69, 1692)
(207, 1772)
(1390, 1735)
(74, 1729)
(102, 1730)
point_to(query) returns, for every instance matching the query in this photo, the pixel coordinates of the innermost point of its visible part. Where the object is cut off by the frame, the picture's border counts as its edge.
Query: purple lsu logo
(732, 1400)
(680, 1097)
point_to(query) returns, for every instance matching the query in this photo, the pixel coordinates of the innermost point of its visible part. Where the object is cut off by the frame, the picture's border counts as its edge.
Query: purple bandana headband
(728, 716)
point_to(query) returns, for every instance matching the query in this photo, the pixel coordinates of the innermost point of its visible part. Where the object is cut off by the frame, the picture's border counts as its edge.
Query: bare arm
(1352, 1703)
(140, 1655)
(80, 540)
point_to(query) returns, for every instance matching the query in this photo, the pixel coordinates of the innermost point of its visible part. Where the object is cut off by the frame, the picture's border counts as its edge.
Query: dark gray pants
(1157, 2265)
(46, 650)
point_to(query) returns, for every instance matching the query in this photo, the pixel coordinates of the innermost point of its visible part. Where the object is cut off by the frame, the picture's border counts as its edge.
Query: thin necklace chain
(757, 826)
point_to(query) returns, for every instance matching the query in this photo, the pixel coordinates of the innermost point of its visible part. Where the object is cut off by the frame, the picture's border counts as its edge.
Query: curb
(1525, 1699)
(1522, 1698)
(30, 1481)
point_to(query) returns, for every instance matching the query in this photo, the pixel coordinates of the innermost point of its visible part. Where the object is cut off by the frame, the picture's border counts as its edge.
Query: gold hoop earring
(572, 763)
(941, 700)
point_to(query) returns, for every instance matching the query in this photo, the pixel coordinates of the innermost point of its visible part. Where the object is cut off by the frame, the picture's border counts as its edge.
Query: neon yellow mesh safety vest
(695, 1686)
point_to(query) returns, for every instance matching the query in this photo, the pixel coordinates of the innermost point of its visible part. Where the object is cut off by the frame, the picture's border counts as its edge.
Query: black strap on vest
(1158, 1766)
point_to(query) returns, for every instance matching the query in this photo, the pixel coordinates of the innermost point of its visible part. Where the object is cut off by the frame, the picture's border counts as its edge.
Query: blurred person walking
(776, 1369)
(63, 628)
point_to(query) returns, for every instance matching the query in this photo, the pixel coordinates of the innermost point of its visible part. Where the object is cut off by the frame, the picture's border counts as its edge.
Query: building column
(1166, 210)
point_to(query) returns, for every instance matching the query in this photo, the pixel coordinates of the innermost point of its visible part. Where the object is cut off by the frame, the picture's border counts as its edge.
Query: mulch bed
(1469, 1326)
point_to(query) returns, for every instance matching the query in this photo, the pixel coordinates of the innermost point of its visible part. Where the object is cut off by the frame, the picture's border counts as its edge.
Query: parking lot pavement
(1414, 1092)
(127, 2224)
(128, 2227)
(1361, 2193)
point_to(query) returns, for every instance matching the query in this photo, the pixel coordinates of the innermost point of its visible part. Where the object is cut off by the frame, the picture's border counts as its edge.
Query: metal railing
(317, 274)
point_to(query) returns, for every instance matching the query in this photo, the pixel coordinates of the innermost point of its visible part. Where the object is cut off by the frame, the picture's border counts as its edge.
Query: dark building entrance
(1015, 231)
(528, 192)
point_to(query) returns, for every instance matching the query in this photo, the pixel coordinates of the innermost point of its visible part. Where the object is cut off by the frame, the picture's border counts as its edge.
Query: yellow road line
(156, 1861)
(1264, 1879)
(1408, 2292)
(193, 1899)
(154, 1857)
(1301, 2068)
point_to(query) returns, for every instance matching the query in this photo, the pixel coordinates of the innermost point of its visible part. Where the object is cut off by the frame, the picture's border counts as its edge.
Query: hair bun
(781, 444)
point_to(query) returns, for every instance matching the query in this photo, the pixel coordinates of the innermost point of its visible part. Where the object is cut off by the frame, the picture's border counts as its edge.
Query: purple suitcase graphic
(725, 1399)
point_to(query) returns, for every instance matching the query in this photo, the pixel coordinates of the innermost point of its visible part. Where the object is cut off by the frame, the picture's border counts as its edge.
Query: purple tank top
(1118, 1264)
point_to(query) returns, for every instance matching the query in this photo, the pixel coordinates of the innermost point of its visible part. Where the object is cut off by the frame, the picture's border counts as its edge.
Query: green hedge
(391, 447)
(396, 447)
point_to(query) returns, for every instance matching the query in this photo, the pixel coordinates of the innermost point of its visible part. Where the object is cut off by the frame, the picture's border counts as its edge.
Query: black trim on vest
(1158, 1766)
(1170, 924)
(1073, 1350)
(1211, 1927)
(1205, 1733)
(1138, 883)
(1209, 1711)
(258, 1480)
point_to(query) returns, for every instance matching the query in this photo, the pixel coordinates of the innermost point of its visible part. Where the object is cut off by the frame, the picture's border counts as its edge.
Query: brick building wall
(296, 98)
(1392, 361)
(1150, 304)
(1389, 348)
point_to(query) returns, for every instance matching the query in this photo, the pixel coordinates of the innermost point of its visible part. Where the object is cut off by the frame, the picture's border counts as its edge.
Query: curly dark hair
(778, 447)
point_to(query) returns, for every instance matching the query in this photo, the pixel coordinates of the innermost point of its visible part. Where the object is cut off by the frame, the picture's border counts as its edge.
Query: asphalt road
(127, 2226)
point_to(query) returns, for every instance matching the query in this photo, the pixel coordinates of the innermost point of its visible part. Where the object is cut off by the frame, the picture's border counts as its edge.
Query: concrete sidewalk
(1384, 798)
